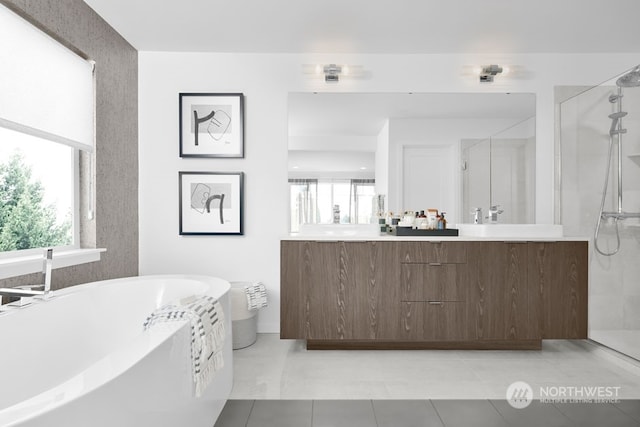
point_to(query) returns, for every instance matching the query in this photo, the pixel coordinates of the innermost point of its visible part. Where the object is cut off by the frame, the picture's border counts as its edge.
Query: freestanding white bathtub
(83, 359)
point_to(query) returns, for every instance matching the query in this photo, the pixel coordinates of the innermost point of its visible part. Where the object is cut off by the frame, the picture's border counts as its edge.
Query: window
(46, 118)
(37, 183)
(303, 202)
(314, 201)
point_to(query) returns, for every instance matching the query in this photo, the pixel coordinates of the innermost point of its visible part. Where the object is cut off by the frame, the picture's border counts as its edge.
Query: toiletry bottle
(438, 222)
(382, 224)
(443, 220)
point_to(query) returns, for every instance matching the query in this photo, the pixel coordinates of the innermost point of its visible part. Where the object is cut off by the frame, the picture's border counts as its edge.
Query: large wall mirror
(450, 151)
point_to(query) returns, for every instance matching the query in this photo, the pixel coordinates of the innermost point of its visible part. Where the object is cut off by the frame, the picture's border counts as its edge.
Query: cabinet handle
(436, 302)
(435, 264)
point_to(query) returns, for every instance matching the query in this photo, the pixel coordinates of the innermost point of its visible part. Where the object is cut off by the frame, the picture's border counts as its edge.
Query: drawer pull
(435, 264)
(436, 302)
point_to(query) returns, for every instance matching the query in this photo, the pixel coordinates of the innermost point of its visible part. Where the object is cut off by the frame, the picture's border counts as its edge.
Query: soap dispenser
(443, 221)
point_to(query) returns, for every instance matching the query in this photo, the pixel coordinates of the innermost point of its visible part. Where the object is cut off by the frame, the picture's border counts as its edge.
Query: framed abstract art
(211, 125)
(211, 202)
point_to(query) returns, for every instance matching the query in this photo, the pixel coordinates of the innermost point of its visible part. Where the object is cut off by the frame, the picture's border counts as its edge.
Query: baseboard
(423, 345)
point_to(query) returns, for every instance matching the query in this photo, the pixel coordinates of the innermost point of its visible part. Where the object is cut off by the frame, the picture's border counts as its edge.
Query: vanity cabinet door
(351, 288)
(368, 291)
(295, 268)
(505, 306)
(309, 282)
(559, 271)
(325, 299)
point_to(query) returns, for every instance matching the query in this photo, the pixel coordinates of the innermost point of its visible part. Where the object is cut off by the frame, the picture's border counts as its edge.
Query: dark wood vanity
(426, 294)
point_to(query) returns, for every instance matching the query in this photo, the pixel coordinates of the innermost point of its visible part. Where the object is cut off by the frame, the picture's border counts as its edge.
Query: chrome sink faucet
(494, 211)
(25, 293)
(477, 216)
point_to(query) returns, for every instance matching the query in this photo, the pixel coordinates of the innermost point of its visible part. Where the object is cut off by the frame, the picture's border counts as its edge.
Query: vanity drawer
(436, 321)
(434, 252)
(435, 282)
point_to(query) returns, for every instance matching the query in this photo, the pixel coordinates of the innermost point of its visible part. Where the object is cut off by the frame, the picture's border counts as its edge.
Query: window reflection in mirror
(331, 201)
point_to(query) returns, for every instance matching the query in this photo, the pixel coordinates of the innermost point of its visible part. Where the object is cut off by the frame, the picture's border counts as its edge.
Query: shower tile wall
(614, 282)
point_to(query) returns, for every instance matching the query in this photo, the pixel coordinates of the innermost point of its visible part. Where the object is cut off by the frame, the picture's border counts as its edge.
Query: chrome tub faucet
(27, 292)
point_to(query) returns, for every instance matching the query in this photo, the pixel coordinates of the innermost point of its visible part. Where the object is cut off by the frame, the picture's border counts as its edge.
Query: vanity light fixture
(488, 72)
(332, 73)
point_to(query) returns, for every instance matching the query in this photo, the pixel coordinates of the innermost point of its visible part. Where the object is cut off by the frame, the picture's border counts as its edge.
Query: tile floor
(423, 413)
(283, 369)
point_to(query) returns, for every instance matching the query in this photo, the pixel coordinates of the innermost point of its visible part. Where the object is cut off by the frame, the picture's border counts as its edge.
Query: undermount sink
(511, 230)
(339, 229)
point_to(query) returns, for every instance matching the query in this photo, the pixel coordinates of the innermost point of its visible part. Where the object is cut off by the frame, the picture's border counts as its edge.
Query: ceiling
(371, 26)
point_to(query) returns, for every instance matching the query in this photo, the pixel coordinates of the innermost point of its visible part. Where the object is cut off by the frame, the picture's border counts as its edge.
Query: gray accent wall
(115, 225)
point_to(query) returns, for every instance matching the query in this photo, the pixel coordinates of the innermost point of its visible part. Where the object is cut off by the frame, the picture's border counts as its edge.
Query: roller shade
(46, 90)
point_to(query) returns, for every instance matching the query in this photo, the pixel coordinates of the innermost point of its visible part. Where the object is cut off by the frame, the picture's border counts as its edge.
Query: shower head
(631, 79)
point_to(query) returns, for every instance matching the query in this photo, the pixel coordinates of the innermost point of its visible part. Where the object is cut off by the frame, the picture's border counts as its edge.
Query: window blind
(46, 90)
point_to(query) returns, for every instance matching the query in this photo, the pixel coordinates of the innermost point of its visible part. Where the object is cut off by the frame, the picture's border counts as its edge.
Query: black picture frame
(211, 125)
(211, 203)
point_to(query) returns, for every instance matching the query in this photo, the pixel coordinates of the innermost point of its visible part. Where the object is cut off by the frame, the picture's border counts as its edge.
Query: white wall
(331, 164)
(266, 80)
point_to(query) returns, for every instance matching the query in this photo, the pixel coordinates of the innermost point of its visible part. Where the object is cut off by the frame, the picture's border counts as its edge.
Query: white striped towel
(206, 317)
(256, 295)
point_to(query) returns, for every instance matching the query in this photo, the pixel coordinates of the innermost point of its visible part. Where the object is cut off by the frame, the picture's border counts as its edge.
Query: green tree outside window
(25, 221)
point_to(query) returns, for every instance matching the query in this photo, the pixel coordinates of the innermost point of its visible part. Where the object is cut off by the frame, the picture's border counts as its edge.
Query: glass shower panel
(476, 176)
(513, 153)
(585, 143)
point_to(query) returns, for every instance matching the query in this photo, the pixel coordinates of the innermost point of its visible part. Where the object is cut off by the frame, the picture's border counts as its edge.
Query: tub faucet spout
(47, 265)
(26, 293)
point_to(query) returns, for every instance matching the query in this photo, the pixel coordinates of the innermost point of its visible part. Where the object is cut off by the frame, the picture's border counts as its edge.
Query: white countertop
(391, 238)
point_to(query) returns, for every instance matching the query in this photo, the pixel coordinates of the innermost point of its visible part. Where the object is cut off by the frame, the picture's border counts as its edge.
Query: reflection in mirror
(501, 169)
(346, 148)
